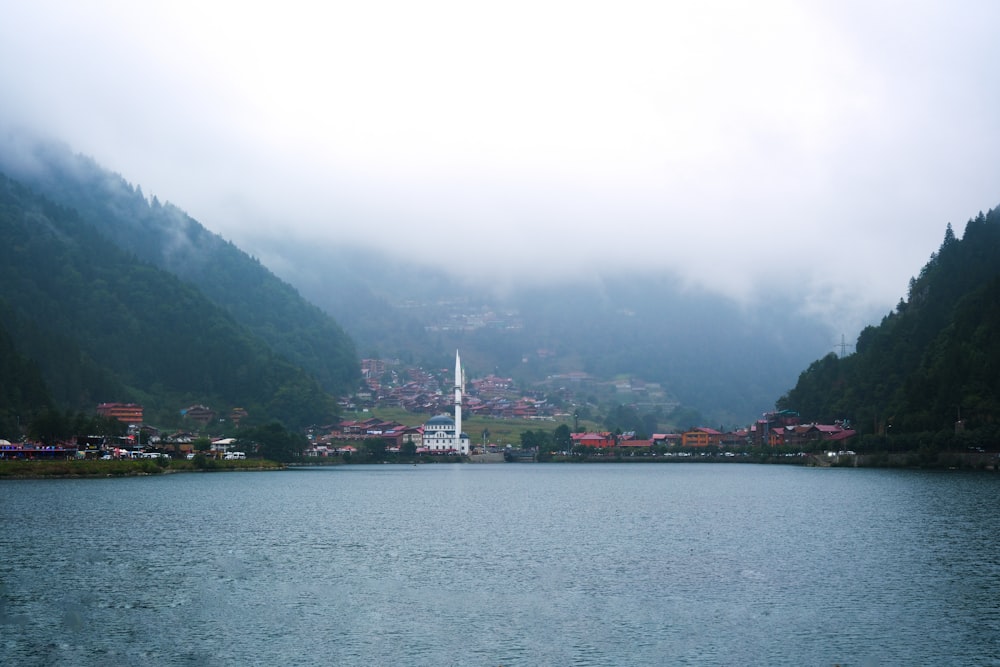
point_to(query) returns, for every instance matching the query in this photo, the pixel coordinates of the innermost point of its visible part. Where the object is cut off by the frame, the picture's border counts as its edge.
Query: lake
(516, 564)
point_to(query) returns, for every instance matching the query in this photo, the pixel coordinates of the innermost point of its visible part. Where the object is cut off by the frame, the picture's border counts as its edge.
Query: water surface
(612, 564)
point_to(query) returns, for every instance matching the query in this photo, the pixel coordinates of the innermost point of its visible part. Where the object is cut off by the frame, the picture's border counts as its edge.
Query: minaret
(458, 402)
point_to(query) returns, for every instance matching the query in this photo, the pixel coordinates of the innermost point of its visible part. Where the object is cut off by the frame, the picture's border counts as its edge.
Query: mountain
(722, 360)
(23, 393)
(97, 324)
(931, 368)
(164, 236)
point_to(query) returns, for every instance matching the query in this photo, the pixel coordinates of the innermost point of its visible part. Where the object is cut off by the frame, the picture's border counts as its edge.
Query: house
(199, 413)
(597, 440)
(222, 445)
(701, 437)
(738, 438)
(760, 432)
(636, 446)
(129, 413)
(813, 433)
(350, 429)
(237, 414)
(666, 439)
(398, 437)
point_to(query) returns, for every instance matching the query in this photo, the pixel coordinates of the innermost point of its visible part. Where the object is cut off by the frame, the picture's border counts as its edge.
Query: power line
(843, 346)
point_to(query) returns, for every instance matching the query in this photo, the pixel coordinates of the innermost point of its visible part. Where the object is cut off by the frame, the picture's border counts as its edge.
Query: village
(773, 430)
(438, 406)
(497, 398)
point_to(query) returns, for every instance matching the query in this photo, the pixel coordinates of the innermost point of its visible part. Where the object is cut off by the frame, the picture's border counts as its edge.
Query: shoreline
(74, 469)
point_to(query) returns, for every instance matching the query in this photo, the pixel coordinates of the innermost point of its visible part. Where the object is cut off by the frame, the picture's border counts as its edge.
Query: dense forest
(165, 237)
(23, 393)
(929, 373)
(86, 322)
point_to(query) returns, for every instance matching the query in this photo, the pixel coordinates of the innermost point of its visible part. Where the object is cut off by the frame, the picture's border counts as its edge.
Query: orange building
(701, 437)
(597, 440)
(129, 413)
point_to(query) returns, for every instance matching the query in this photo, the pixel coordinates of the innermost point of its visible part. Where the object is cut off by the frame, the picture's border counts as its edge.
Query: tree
(544, 441)
(375, 448)
(624, 418)
(649, 425)
(100, 425)
(933, 353)
(562, 438)
(90, 320)
(528, 440)
(51, 427)
(408, 448)
(275, 442)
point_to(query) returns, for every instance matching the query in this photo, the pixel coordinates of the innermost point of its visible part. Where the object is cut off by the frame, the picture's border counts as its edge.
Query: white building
(441, 432)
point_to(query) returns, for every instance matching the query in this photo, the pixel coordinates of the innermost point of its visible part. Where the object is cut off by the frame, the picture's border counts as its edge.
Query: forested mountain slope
(724, 359)
(166, 237)
(931, 362)
(103, 326)
(23, 393)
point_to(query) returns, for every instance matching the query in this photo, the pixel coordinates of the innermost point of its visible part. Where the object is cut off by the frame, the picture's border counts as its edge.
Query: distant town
(775, 430)
(437, 397)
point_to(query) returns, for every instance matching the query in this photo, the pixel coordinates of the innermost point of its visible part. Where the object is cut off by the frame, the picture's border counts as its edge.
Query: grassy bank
(502, 431)
(123, 468)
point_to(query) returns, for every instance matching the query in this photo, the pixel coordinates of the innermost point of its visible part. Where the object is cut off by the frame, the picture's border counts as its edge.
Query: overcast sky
(747, 145)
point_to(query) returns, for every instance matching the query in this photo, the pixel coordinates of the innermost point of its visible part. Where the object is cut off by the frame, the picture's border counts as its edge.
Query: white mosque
(441, 432)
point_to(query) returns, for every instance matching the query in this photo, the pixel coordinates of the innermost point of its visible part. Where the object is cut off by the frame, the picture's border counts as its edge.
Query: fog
(750, 147)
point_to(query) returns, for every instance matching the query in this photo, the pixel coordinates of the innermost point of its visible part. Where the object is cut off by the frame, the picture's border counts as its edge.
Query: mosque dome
(441, 420)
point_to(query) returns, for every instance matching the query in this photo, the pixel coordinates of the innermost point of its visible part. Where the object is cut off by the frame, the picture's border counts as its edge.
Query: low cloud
(747, 148)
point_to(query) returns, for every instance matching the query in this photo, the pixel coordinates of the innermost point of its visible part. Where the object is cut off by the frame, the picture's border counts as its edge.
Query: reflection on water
(507, 564)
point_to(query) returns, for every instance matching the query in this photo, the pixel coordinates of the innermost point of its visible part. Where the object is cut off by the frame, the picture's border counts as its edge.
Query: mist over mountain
(725, 359)
(164, 236)
(89, 323)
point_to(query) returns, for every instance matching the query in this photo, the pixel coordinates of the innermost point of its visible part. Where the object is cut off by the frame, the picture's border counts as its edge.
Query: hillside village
(774, 430)
(389, 385)
(421, 392)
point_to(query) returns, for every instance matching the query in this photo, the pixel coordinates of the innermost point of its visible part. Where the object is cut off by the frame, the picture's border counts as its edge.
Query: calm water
(684, 564)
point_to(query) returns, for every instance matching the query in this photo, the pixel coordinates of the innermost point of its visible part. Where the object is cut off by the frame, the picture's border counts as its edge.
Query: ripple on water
(514, 565)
